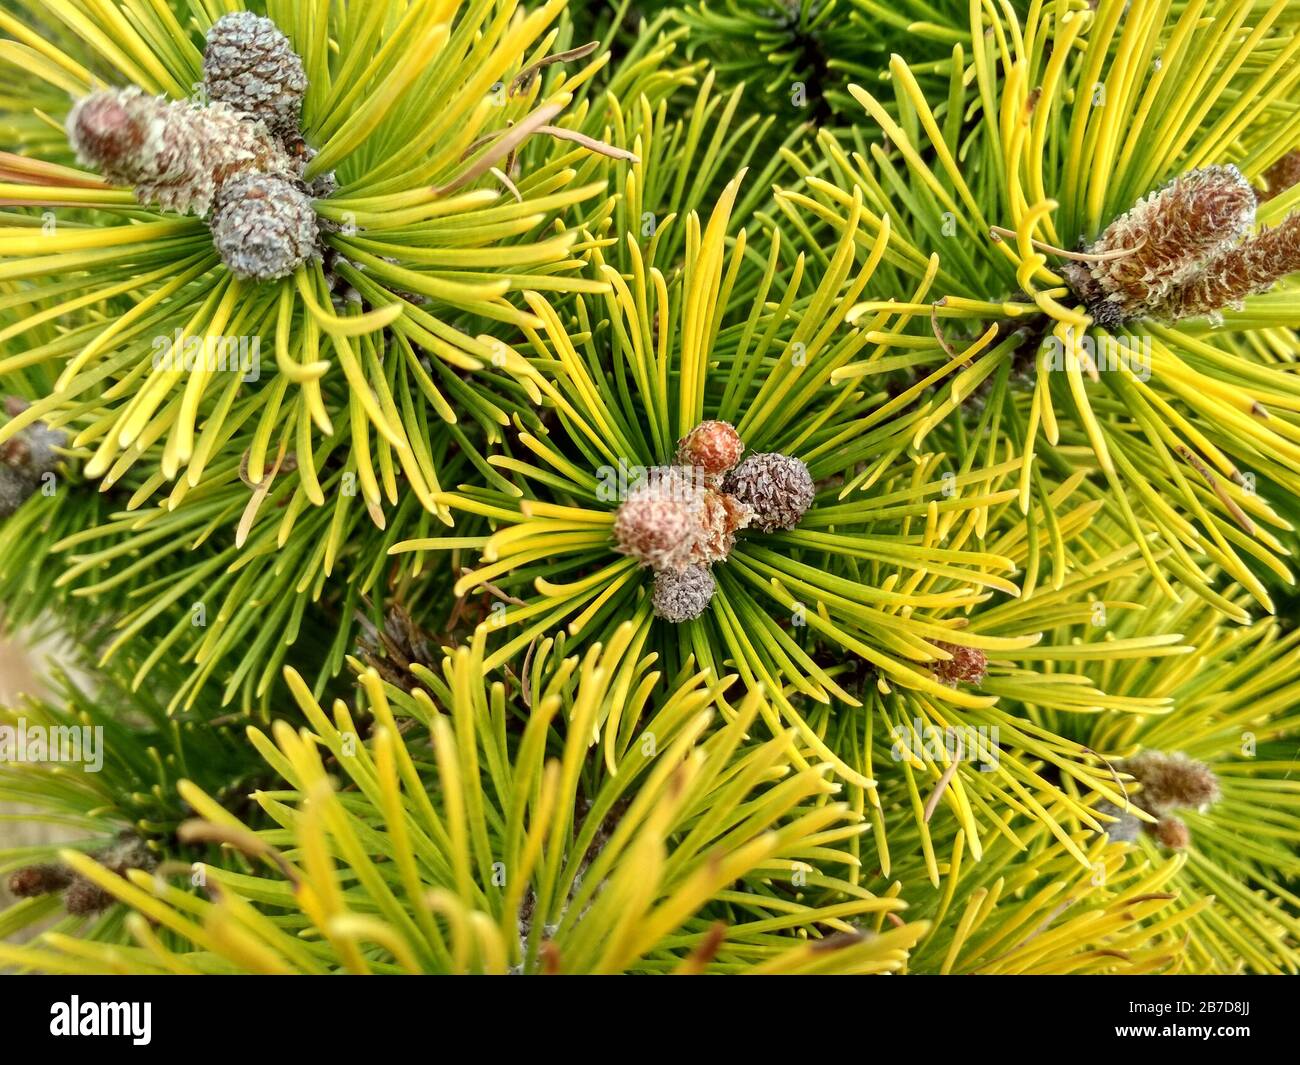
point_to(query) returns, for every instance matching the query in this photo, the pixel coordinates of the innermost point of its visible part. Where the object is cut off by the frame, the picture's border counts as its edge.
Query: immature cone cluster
(967, 664)
(1171, 782)
(25, 459)
(237, 161)
(82, 897)
(1184, 251)
(683, 518)
(250, 65)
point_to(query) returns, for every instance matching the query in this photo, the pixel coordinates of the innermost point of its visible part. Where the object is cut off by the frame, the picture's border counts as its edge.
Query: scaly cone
(777, 488)
(264, 227)
(1170, 236)
(250, 65)
(1248, 269)
(1281, 176)
(174, 154)
(682, 596)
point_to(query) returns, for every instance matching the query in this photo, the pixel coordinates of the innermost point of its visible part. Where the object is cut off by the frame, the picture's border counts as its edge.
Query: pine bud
(177, 155)
(264, 227)
(250, 65)
(324, 186)
(1171, 781)
(1171, 236)
(1124, 829)
(86, 899)
(660, 521)
(25, 459)
(682, 596)
(14, 491)
(37, 880)
(711, 446)
(777, 488)
(968, 664)
(129, 852)
(1171, 832)
(1281, 176)
(1249, 268)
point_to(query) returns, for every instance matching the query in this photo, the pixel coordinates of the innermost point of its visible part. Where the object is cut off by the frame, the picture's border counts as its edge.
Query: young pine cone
(721, 517)
(659, 522)
(1171, 781)
(682, 596)
(250, 65)
(1249, 268)
(35, 880)
(968, 664)
(84, 898)
(777, 488)
(264, 227)
(711, 446)
(1171, 236)
(1172, 832)
(176, 154)
(1281, 176)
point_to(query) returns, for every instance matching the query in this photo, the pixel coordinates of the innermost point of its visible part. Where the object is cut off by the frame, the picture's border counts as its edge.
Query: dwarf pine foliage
(533, 486)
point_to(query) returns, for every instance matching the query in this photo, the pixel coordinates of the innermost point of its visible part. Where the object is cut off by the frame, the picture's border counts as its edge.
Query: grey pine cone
(250, 65)
(777, 488)
(264, 227)
(682, 596)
